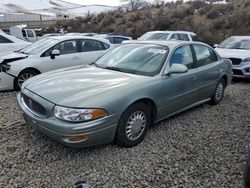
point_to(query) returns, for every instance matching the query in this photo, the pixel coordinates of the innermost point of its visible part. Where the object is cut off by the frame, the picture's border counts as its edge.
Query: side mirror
(177, 69)
(216, 45)
(54, 53)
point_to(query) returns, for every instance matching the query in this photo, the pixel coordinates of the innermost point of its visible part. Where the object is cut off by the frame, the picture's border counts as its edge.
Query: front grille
(237, 72)
(34, 106)
(236, 61)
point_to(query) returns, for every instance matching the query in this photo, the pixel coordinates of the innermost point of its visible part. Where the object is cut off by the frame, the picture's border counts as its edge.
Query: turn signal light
(78, 138)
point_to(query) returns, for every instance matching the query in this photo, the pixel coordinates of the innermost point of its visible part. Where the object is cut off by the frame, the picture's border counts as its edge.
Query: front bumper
(242, 70)
(98, 132)
(6, 82)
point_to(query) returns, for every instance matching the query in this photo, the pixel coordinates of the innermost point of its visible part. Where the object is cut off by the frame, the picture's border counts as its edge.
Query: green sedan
(120, 95)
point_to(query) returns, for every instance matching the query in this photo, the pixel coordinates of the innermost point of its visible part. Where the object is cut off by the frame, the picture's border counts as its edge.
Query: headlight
(78, 115)
(246, 59)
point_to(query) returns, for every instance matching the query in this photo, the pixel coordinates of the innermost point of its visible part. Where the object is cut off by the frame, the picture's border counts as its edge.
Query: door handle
(76, 58)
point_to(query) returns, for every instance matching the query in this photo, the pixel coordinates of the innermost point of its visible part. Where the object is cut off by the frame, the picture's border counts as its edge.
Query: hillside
(48, 7)
(211, 23)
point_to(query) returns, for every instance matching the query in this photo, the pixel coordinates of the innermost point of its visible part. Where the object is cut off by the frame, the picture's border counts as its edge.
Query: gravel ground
(203, 147)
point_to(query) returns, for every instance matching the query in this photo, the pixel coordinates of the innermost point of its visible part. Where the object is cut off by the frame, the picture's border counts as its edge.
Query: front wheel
(22, 77)
(133, 125)
(218, 93)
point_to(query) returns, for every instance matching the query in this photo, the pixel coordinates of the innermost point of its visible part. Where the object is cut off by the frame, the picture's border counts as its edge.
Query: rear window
(4, 40)
(154, 36)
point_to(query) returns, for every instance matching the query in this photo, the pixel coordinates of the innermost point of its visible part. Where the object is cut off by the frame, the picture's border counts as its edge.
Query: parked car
(49, 54)
(9, 43)
(115, 39)
(237, 48)
(51, 35)
(169, 35)
(247, 169)
(122, 93)
(24, 33)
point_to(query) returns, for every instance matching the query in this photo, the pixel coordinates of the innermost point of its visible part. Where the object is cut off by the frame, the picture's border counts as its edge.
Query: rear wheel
(22, 77)
(133, 125)
(218, 93)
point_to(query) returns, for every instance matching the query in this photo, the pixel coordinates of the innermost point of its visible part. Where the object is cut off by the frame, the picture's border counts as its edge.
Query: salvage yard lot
(203, 147)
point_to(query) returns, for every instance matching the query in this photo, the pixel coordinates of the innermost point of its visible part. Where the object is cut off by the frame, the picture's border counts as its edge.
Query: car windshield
(236, 43)
(141, 59)
(38, 46)
(154, 36)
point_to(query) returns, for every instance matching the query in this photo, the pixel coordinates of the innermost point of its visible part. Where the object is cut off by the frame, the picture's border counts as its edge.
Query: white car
(237, 48)
(168, 35)
(10, 43)
(114, 39)
(49, 54)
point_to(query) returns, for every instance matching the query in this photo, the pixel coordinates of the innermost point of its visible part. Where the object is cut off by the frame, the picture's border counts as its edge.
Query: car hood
(10, 57)
(235, 53)
(68, 87)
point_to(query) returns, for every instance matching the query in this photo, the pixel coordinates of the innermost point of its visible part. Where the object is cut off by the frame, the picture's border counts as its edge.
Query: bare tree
(134, 4)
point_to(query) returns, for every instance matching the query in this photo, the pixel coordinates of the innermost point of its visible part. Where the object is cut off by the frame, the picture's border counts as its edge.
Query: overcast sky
(98, 2)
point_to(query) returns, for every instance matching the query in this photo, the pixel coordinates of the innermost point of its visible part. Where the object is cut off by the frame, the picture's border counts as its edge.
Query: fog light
(78, 138)
(247, 70)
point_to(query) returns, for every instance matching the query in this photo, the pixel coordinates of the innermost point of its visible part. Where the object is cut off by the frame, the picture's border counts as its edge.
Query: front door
(178, 90)
(69, 56)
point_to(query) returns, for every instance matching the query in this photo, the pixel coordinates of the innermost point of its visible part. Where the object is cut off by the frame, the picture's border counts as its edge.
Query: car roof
(12, 38)
(111, 35)
(184, 32)
(168, 43)
(64, 37)
(241, 37)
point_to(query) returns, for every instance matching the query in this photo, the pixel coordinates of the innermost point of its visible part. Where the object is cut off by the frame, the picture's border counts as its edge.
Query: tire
(22, 77)
(247, 175)
(218, 93)
(133, 125)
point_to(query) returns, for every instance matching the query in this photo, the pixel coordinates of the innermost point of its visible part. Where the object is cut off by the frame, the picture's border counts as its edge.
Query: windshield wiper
(113, 68)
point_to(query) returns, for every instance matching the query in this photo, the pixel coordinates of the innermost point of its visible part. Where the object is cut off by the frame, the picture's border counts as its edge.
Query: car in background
(120, 95)
(169, 35)
(10, 43)
(24, 33)
(247, 168)
(114, 39)
(51, 35)
(49, 54)
(237, 49)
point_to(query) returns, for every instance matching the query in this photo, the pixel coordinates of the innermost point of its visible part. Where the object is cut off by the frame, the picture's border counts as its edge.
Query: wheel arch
(30, 68)
(224, 77)
(150, 103)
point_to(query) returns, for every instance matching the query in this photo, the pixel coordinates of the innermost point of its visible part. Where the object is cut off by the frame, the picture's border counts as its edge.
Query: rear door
(69, 56)
(208, 70)
(91, 50)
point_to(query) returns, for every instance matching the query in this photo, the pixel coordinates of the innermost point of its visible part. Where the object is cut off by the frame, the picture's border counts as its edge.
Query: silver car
(119, 96)
(237, 49)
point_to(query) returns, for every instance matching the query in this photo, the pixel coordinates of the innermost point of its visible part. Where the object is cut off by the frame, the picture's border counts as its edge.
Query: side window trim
(194, 62)
(195, 56)
(43, 54)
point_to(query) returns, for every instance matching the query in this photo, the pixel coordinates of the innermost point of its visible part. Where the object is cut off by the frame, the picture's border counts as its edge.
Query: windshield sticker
(157, 51)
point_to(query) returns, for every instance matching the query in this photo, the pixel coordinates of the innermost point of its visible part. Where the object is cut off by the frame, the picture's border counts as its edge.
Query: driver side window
(66, 47)
(183, 55)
